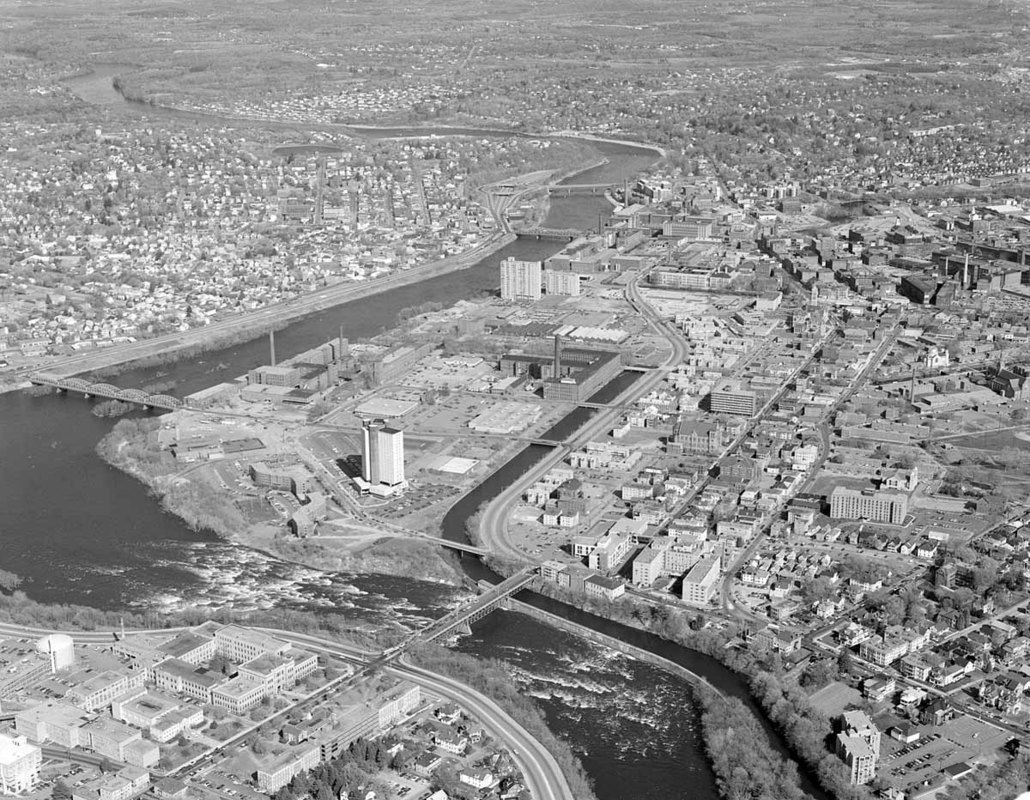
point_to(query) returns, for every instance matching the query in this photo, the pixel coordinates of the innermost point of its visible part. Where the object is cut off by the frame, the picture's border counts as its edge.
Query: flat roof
(183, 643)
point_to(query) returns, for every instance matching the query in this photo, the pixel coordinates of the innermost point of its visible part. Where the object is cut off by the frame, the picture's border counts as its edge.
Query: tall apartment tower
(382, 453)
(521, 280)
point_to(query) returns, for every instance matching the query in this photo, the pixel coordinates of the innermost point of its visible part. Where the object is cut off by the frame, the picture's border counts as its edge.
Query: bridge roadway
(568, 189)
(137, 396)
(493, 597)
(461, 547)
(558, 234)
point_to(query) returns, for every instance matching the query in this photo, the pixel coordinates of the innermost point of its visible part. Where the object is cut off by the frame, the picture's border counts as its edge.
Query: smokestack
(912, 387)
(965, 273)
(557, 356)
(339, 355)
(271, 346)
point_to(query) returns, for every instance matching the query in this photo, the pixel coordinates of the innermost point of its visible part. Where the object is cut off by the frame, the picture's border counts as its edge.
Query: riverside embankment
(614, 643)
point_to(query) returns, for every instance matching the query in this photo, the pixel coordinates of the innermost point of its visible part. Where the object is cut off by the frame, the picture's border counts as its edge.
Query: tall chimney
(965, 273)
(339, 355)
(557, 356)
(271, 346)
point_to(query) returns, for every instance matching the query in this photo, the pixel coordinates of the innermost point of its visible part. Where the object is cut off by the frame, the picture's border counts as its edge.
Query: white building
(59, 648)
(520, 280)
(699, 583)
(563, 282)
(19, 764)
(382, 454)
(241, 644)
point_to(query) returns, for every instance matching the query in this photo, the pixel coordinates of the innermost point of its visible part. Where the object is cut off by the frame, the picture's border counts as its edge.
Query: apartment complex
(521, 280)
(858, 746)
(561, 282)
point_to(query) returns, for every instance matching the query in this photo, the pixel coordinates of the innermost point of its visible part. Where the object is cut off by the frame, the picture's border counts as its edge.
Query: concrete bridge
(137, 396)
(557, 234)
(492, 597)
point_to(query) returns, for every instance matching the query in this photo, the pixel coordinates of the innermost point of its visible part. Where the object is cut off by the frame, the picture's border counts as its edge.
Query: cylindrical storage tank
(60, 648)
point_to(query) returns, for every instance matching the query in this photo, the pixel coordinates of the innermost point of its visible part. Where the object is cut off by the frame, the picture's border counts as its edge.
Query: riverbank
(249, 325)
(613, 643)
(492, 679)
(744, 763)
(782, 701)
(189, 495)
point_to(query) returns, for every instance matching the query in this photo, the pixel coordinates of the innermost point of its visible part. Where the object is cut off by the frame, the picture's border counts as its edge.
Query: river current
(79, 531)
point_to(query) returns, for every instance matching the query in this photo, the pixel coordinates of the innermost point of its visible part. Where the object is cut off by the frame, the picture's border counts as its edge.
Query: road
(824, 452)
(493, 525)
(543, 776)
(272, 316)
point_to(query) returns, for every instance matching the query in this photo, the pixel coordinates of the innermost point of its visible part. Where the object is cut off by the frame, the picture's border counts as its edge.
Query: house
(904, 732)
(450, 741)
(426, 764)
(879, 688)
(604, 587)
(448, 714)
(477, 778)
(937, 712)
(776, 639)
(927, 548)
(912, 666)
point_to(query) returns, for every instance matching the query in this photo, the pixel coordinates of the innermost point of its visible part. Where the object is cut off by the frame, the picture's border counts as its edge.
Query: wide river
(79, 531)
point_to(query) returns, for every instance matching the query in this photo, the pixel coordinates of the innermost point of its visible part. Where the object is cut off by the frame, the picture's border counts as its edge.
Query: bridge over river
(493, 596)
(557, 234)
(137, 396)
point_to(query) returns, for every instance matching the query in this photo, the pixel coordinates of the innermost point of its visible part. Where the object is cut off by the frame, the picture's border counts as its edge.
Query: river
(79, 531)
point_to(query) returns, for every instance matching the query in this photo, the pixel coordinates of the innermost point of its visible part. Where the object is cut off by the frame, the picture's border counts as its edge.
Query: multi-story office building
(273, 776)
(240, 644)
(521, 280)
(889, 507)
(729, 397)
(95, 692)
(382, 453)
(699, 583)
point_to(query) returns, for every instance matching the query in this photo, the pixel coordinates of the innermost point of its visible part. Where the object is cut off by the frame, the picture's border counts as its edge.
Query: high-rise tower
(382, 453)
